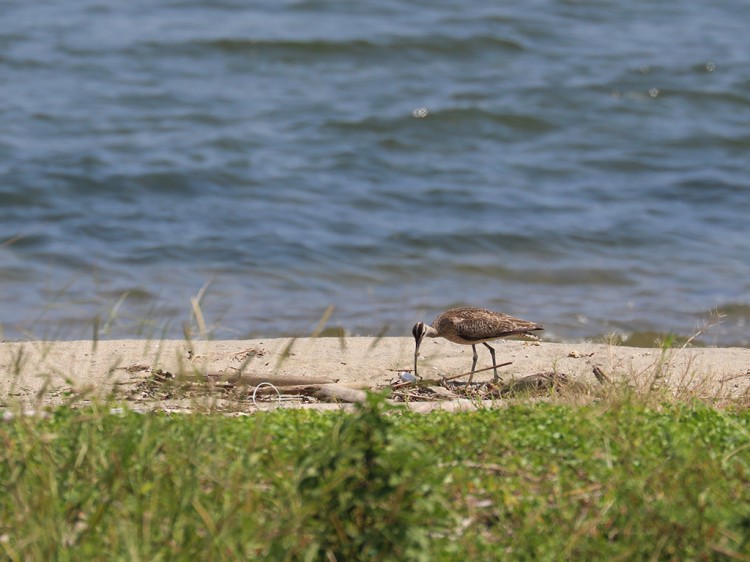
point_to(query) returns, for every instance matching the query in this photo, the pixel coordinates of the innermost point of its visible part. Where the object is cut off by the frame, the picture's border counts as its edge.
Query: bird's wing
(480, 329)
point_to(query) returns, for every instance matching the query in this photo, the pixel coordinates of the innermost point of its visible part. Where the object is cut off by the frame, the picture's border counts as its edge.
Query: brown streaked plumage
(470, 326)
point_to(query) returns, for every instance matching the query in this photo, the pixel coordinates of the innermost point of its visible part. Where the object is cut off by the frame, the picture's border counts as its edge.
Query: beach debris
(457, 405)
(442, 392)
(248, 353)
(404, 379)
(536, 384)
(341, 393)
(164, 385)
(600, 376)
(269, 386)
(446, 379)
(735, 376)
(149, 384)
(539, 381)
(136, 368)
(406, 376)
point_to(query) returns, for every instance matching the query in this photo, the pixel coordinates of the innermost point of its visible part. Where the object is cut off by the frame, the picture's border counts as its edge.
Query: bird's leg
(473, 363)
(494, 363)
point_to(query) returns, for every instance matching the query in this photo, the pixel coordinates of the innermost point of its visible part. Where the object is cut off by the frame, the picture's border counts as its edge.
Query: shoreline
(50, 373)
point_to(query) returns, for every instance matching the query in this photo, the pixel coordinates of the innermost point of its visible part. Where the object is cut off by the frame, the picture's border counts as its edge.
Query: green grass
(608, 481)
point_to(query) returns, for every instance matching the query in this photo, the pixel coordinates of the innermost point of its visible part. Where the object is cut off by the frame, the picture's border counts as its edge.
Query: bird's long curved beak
(416, 354)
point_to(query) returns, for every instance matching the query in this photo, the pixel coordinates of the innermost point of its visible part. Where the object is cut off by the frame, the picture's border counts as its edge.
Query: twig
(402, 384)
(733, 377)
(446, 379)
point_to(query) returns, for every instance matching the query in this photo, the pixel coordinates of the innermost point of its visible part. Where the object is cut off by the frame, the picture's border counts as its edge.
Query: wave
(451, 119)
(316, 48)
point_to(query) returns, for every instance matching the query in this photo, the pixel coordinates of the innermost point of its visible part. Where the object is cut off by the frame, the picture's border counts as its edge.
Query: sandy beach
(38, 373)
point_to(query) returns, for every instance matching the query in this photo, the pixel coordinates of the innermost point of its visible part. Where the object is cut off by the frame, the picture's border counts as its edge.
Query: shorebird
(470, 326)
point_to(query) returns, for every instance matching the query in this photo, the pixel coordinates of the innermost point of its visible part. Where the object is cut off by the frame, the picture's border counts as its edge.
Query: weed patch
(616, 479)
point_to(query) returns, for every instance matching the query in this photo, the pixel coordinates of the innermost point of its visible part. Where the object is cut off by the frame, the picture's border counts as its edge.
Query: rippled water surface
(584, 164)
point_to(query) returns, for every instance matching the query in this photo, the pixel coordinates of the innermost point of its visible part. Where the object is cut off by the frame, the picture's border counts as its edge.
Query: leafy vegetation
(533, 481)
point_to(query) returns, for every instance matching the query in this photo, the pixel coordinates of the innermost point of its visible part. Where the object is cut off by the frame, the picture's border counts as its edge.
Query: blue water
(584, 164)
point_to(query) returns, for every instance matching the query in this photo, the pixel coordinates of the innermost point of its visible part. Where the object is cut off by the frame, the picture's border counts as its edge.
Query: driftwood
(459, 405)
(164, 384)
(341, 393)
(601, 377)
